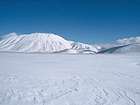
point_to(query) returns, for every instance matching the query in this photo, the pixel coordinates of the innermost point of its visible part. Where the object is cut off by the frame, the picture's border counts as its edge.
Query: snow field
(56, 79)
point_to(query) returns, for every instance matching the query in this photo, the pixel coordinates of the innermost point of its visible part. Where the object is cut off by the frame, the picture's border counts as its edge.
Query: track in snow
(39, 79)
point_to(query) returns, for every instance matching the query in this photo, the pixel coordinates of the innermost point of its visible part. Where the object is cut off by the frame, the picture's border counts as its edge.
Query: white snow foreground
(55, 79)
(43, 43)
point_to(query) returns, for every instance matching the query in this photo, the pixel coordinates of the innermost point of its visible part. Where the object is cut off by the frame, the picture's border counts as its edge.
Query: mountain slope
(125, 45)
(35, 42)
(44, 43)
(83, 48)
(130, 48)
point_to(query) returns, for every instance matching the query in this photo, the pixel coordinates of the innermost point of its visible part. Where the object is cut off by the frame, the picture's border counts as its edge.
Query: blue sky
(90, 21)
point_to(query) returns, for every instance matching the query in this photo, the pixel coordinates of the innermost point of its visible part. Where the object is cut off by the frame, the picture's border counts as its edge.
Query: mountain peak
(43, 42)
(34, 42)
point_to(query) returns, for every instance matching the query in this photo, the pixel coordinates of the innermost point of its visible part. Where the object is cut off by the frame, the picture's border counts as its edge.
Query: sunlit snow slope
(35, 42)
(43, 42)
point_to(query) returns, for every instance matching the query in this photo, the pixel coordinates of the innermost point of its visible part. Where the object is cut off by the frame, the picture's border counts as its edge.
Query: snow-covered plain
(62, 79)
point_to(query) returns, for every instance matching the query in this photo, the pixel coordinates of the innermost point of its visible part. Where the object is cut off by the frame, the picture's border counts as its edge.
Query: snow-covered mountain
(129, 40)
(129, 48)
(35, 42)
(52, 43)
(44, 43)
(78, 47)
(126, 45)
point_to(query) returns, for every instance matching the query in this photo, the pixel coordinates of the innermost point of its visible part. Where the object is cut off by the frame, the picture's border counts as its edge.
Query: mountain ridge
(52, 43)
(42, 42)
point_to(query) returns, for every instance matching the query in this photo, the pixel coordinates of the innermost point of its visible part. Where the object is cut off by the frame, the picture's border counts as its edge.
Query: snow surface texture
(42, 42)
(56, 79)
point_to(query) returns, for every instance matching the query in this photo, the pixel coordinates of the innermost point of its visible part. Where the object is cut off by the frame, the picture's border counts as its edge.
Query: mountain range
(52, 43)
